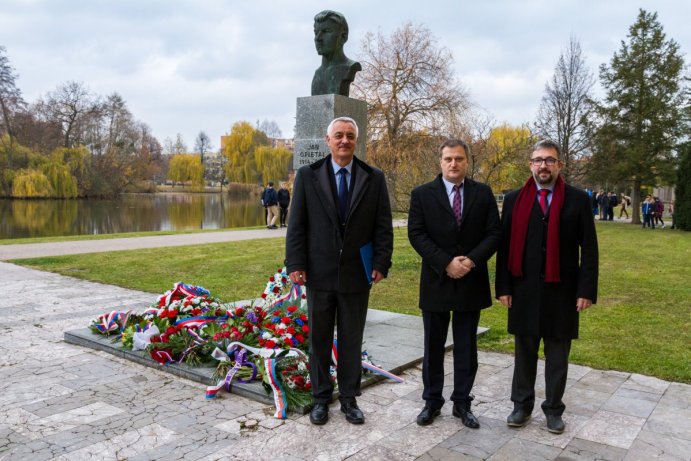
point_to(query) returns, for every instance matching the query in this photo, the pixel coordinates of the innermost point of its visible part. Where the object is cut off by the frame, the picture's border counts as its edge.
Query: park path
(37, 250)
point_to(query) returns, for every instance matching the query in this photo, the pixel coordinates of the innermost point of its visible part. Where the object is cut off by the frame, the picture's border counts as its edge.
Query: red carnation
(292, 308)
(263, 295)
(287, 342)
(291, 330)
(270, 344)
(276, 290)
(271, 279)
(172, 314)
(171, 331)
(285, 320)
(303, 317)
(305, 329)
(300, 338)
(239, 311)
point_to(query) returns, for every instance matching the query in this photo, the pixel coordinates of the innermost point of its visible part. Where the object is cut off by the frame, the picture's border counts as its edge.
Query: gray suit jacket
(316, 242)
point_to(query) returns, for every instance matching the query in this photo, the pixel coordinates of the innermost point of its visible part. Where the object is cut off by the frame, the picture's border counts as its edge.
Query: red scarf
(519, 229)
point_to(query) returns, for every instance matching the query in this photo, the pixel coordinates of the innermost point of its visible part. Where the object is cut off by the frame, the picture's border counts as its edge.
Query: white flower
(266, 335)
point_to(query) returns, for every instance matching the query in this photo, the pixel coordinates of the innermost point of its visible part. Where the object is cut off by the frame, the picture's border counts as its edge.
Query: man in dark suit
(453, 223)
(547, 271)
(340, 204)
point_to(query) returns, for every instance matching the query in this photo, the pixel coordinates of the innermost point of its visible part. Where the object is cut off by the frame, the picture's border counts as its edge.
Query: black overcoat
(434, 234)
(317, 244)
(549, 309)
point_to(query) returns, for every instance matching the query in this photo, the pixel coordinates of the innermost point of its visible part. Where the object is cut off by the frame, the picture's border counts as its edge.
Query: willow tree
(187, 168)
(31, 183)
(272, 163)
(642, 111)
(239, 152)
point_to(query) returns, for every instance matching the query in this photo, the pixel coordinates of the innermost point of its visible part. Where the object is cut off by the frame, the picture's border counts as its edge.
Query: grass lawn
(641, 324)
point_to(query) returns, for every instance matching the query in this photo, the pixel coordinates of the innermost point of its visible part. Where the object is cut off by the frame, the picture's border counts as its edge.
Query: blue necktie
(343, 193)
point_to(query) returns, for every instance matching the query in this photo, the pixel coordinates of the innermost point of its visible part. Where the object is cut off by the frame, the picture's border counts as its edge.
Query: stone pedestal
(314, 113)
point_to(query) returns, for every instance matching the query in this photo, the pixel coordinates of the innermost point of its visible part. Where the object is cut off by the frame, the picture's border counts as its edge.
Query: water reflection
(130, 213)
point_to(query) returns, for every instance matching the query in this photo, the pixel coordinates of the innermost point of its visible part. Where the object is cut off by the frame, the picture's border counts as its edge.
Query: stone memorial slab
(390, 339)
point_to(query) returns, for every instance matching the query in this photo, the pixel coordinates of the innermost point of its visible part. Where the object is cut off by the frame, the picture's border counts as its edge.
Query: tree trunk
(636, 202)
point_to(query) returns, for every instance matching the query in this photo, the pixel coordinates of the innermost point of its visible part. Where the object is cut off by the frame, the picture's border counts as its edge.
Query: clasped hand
(459, 267)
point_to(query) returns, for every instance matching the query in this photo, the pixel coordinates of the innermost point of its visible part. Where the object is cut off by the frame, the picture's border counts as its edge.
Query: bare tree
(270, 128)
(10, 96)
(565, 109)
(70, 106)
(202, 144)
(408, 83)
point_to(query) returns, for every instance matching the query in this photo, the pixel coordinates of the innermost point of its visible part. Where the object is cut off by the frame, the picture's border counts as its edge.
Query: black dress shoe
(555, 424)
(352, 413)
(427, 415)
(518, 418)
(467, 416)
(319, 414)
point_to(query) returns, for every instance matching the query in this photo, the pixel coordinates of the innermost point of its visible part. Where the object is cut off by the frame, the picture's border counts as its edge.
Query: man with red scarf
(547, 271)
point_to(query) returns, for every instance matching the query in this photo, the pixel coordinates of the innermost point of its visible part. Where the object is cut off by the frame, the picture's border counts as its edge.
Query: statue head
(330, 32)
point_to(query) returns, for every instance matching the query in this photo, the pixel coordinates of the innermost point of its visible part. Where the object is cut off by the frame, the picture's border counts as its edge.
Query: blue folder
(367, 255)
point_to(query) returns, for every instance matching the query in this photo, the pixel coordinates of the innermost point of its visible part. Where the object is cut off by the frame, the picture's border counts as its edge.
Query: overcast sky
(188, 66)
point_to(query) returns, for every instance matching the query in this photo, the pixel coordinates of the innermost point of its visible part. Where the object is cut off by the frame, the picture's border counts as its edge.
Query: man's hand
(506, 300)
(459, 267)
(299, 277)
(377, 276)
(583, 303)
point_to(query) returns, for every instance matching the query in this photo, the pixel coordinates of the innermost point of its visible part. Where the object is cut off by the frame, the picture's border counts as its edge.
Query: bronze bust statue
(336, 72)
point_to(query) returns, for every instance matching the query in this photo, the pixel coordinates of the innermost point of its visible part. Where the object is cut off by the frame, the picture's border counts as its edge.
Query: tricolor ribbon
(181, 290)
(366, 364)
(270, 357)
(115, 320)
(295, 292)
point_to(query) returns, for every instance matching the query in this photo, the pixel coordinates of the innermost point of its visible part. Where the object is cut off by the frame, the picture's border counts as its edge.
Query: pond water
(129, 213)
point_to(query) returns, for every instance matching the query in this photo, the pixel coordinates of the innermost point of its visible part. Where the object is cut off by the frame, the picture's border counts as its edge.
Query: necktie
(343, 193)
(543, 200)
(457, 203)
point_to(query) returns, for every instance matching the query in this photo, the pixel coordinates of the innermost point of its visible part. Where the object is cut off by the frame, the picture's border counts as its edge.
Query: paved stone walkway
(59, 401)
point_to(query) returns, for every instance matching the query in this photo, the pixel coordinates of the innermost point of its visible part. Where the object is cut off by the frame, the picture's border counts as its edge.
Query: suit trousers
(464, 329)
(348, 312)
(525, 372)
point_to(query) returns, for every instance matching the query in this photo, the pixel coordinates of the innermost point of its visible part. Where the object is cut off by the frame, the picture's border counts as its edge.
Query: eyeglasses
(537, 161)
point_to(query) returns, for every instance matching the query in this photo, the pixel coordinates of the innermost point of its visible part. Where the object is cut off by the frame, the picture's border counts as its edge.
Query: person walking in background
(283, 202)
(603, 201)
(271, 203)
(612, 202)
(625, 202)
(546, 274)
(263, 200)
(658, 211)
(453, 223)
(647, 212)
(340, 206)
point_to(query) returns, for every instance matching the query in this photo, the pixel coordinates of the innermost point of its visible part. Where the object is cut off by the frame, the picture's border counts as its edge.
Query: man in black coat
(283, 202)
(453, 223)
(340, 204)
(547, 271)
